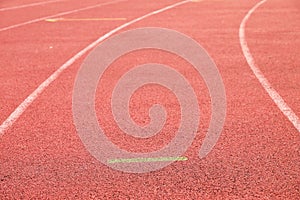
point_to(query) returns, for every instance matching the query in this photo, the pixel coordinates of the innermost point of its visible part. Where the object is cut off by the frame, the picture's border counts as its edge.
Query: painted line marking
(27, 102)
(285, 109)
(196, 1)
(59, 14)
(137, 160)
(84, 19)
(29, 5)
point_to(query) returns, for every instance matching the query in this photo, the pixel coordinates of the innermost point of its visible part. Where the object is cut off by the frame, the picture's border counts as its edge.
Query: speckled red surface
(256, 157)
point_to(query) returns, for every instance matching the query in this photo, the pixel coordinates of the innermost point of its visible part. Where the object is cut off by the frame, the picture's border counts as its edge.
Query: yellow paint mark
(83, 19)
(51, 20)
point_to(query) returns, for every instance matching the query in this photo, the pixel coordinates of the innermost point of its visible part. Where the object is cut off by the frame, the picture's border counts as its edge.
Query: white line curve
(278, 100)
(29, 5)
(26, 103)
(58, 15)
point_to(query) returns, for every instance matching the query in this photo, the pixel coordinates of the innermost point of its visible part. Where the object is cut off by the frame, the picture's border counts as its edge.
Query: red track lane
(273, 38)
(12, 17)
(13, 3)
(32, 53)
(41, 156)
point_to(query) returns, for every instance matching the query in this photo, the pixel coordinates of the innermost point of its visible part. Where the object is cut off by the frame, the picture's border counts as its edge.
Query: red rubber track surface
(257, 155)
(13, 3)
(11, 17)
(273, 39)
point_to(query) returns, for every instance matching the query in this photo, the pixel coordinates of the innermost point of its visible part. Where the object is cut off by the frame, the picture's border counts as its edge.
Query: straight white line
(24, 105)
(285, 109)
(28, 5)
(59, 14)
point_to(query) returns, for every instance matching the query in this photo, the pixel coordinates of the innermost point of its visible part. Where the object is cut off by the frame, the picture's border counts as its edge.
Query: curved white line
(24, 105)
(59, 14)
(28, 5)
(285, 109)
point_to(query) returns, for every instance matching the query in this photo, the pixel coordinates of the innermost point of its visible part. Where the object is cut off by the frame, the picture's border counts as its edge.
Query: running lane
(257, 156)
(33, 52)
(273, 34)
(16, 17)
(16, 3)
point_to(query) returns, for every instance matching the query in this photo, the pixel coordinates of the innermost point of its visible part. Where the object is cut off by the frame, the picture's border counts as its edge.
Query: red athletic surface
(257, 155)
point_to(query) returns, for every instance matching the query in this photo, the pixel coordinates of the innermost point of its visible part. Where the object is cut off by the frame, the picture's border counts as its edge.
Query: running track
(257, 155)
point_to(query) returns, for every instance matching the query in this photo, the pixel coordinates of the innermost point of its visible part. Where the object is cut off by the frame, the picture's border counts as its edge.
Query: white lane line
(29, 5)
(86, 19)
(24, 105)
(59, 14)
(285, 109)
